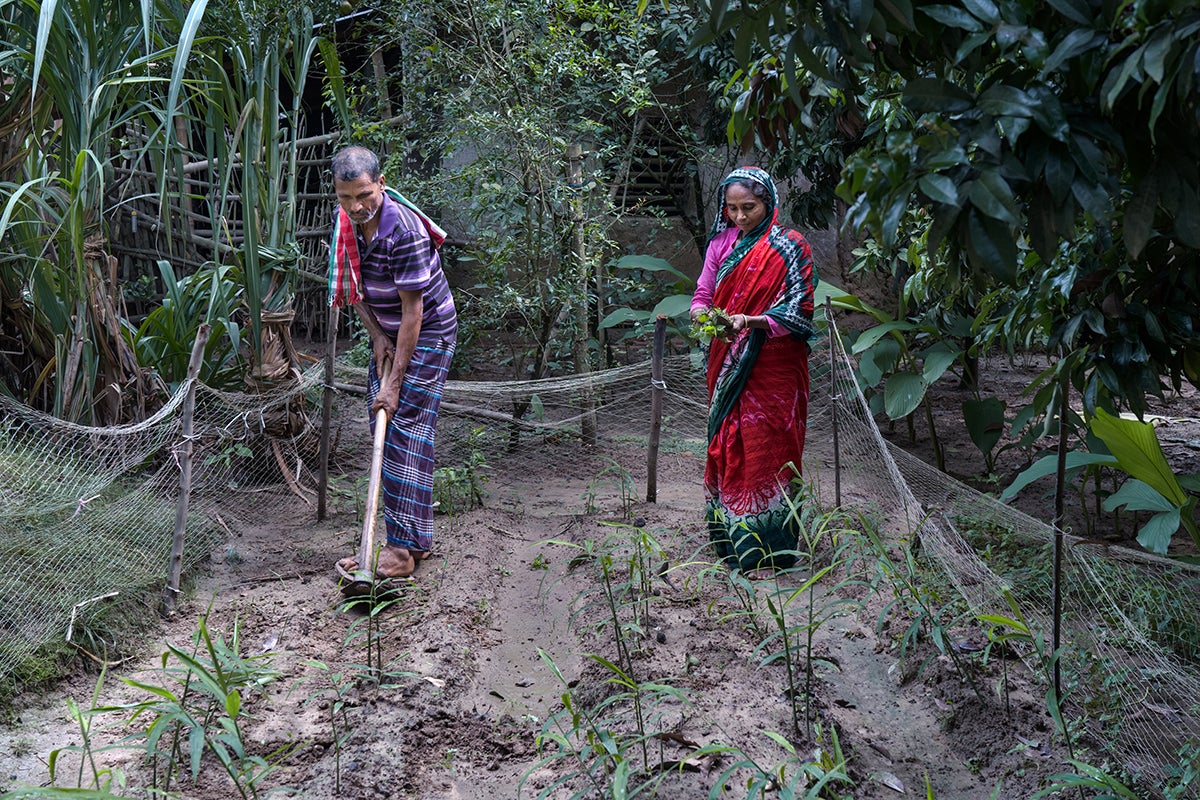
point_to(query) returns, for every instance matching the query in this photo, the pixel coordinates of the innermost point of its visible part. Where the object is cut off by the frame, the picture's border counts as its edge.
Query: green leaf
(936, 361)
(1115, 83)
(991, 247)
(676, 305)
(952, 17)
(183, 49)
(162, 692)
(742, 42)
(983, 10)
(780, 740)
(45, 23)
(622, 315)
(1042, 233)
(1154, 54)
(620, 780)
(1189, 481)
(1075, 10)
(850, 302)
(991, 194)
(1139, 216)
(1075, 43)
(902, 393)
(1137, 496)
(1048, 465)
(870, 336)
(944, 218)
(650, 264)
(984, 419)
(890, 223)
(195, 748)
(901, 11)
(972, 43)
(337, 86)
(878, 361)
(1060, 174)
(1001, 100)
(935, 94)
(939, 188)
(1048, 113)
(1135, 446)
(1155, 535)
(825, 289)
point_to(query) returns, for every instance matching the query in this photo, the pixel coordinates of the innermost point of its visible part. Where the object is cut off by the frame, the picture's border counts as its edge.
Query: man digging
(384, 262)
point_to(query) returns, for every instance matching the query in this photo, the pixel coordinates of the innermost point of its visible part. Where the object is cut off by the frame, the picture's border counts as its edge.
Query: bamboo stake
(381, 83)
(834, 398)
(656, 402)
(175, 568)
(327, 412)
(1060, 491)
(582, 366)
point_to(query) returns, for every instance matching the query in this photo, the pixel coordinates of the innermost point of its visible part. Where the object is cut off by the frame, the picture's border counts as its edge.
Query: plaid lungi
(407, 479)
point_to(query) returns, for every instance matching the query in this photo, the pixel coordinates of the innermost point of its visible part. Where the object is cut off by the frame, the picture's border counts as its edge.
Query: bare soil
(468, 647)
(467, 690)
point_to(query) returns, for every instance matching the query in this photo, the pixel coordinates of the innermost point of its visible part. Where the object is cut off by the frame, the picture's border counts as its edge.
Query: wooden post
(185, 198)
(327, 412)
(381, 84)
(175, 565)
(656, 402)
(1060, 491)
(834, 399)
(582, 366)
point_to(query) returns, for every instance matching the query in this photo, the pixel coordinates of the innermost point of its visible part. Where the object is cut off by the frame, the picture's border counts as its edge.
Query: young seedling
(824, 538)
(335, 693)
(714, 323)
(903, 576)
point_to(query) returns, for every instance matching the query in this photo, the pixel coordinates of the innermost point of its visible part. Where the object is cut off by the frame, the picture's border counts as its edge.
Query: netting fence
(86, 513)
(1130, 622)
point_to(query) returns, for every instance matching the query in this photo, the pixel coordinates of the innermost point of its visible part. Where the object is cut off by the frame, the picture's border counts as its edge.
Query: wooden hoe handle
(366, 548)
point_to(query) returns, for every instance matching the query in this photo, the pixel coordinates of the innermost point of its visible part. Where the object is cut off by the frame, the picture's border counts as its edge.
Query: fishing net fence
(88, 515)
(1130, 622)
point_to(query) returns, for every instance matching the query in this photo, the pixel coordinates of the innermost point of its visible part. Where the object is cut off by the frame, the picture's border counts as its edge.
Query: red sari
(758, 393)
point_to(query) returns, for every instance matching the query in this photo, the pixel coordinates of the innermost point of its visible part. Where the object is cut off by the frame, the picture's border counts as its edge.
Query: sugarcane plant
(251, 123)
(78, 74)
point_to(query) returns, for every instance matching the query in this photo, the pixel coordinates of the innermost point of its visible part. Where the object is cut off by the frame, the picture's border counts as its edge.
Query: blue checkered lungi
(406, 482)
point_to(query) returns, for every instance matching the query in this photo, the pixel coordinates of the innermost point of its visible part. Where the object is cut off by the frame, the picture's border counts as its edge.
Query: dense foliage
(1050, 145)
(493, 93)
(94, 90)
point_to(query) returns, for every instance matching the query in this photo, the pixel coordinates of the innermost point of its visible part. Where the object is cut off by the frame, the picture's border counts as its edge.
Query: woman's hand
(739, 322)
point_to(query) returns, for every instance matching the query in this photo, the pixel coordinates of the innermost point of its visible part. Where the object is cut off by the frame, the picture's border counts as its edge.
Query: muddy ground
(467, 684)
(507, 620)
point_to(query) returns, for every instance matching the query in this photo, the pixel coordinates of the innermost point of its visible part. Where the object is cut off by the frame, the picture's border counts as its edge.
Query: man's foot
(760, 574)
(393, 561)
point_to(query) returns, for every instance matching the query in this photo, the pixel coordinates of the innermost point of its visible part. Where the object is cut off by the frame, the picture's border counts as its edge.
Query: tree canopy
(1049, 147)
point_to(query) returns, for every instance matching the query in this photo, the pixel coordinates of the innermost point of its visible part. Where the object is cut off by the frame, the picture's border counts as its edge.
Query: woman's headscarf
(754, 175)
(777, 280)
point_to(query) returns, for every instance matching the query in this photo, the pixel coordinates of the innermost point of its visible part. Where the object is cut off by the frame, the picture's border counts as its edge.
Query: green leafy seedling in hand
(713, 323)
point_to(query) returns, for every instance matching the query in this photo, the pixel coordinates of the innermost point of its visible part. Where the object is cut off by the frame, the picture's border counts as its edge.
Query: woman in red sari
(761, 275)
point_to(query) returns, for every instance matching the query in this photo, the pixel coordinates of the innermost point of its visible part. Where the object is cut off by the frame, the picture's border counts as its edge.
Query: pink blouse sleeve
(718, 250)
